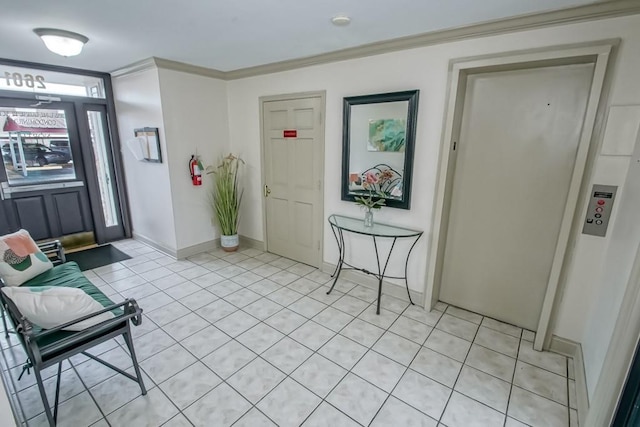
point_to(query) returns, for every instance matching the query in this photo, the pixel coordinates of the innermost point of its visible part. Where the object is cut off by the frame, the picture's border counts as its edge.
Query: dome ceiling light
(340, 20)
(62, 42)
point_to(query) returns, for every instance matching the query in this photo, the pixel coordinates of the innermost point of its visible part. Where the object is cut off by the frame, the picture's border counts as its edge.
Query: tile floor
(252, 339)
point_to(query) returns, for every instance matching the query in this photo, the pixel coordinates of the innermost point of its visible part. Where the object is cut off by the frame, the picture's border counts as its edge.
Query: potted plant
(226, 196)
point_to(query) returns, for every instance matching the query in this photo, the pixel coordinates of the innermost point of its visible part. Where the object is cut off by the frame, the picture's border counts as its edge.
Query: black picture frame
(409, 144)
(150, 148)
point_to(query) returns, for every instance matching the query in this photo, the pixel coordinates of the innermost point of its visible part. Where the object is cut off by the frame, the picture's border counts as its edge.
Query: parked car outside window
(36, 154)
(62, 146)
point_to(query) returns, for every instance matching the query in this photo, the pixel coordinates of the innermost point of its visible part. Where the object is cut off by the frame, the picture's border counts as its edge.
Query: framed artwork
(387, 135)
(149, 144)
(378, 139)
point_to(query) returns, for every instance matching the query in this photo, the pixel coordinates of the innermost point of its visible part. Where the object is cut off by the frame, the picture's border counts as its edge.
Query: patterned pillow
(50, 306)
(20, 258)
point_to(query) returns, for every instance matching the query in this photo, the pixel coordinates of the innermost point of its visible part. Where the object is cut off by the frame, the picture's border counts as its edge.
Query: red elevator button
(601, 202)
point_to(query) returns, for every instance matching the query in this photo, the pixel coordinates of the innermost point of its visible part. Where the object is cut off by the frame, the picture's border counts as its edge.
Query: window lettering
(20, 80)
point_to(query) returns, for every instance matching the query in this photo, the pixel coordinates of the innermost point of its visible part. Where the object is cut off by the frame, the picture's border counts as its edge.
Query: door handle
(267, 191)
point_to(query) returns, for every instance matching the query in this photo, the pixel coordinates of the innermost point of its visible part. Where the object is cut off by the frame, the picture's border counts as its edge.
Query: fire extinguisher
(195, 168)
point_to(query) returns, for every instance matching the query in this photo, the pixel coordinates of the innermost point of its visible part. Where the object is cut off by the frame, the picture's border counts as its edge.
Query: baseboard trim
(198, 249)
(564, 346)
(574, 350)
(148, 241)
(388, 288)
(581, 386)
(182, 253)
(248, 242)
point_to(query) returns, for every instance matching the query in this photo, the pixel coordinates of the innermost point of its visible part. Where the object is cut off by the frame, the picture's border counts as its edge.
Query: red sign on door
(290, 133)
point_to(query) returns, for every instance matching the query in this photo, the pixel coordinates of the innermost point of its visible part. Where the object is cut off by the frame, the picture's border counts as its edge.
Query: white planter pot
(229, 243)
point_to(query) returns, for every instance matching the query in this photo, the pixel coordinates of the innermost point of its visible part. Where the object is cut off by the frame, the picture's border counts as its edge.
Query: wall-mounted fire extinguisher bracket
(195, 169)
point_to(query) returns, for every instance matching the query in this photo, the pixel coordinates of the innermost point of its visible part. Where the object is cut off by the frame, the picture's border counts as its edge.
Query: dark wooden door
(99, 161)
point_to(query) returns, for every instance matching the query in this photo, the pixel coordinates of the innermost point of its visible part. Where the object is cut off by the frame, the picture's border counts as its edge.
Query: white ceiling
(233, 34)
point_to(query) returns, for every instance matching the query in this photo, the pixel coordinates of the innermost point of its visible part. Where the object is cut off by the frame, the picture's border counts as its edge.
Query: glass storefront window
(21, 79)
(35, 146)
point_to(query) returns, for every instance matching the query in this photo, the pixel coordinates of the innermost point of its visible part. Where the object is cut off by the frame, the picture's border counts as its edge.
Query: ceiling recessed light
(341, 20)
(62, 42)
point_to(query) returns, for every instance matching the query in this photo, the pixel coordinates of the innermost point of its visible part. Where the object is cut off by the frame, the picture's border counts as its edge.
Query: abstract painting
(387, 135)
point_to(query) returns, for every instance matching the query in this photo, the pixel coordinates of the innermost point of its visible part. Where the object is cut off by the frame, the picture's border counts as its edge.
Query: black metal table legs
(381, 271)
(340, 241)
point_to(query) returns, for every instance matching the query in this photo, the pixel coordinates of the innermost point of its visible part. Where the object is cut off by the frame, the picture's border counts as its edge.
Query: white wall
(580, 297)
(615, 273)
(588, 305)
(191, 114)
(357, 77)
(427, 69)
(138, 104)
(195, 120)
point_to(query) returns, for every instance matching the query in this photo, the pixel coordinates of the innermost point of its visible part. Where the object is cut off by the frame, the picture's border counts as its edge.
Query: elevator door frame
(597, 53)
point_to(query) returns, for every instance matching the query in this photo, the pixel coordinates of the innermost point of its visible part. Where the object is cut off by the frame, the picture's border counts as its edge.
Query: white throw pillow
(51, 306)
(21, 259)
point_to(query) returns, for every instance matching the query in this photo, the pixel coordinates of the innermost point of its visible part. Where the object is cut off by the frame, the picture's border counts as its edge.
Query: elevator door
(518, 142)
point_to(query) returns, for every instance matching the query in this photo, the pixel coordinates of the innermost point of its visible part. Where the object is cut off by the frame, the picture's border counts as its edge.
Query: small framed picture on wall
(149, 144)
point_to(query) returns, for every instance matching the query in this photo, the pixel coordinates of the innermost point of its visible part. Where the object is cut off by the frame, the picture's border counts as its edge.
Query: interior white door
(515, 156)
(293, 178)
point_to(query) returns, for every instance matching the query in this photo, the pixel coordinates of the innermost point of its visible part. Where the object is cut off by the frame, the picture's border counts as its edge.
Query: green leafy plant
(370, 202)
(226, 194)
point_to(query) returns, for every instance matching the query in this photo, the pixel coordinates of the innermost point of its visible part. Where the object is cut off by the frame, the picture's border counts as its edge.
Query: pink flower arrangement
(371, 181)
(370, 178)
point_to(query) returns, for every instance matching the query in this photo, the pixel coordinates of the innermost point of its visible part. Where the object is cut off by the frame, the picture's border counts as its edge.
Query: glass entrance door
(61, 171)
(42, 179)
(109, 224)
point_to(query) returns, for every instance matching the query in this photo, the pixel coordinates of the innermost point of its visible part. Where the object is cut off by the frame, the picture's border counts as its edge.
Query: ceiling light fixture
(341, 20)
(62, 42)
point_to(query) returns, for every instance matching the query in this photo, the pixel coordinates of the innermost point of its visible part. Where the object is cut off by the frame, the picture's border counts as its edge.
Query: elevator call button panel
(599, 210)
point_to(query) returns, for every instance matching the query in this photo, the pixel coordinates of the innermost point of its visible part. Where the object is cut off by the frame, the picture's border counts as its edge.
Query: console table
(340, 224)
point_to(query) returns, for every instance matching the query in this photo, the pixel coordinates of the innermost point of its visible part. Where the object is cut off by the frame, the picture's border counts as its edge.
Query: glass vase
(368, 218)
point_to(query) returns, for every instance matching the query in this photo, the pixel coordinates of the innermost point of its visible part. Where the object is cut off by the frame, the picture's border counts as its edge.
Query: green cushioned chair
(47, 347)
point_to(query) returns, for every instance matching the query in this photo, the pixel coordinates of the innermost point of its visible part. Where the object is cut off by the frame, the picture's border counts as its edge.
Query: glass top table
(341, 224)
(356, 225)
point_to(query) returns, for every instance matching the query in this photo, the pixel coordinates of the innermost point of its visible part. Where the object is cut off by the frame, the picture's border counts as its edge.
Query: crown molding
(600, 10)
(136, 67)
(168, 64)
(594, 11)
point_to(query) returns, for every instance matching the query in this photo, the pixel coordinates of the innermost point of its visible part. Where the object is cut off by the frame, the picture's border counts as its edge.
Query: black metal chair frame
(40, 358)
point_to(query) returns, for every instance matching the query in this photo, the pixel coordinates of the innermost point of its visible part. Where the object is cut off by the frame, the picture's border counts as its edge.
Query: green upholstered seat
(56, 346)
(69, 275)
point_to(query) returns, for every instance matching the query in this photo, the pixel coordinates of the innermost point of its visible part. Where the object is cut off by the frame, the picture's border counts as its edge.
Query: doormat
(97, 257)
